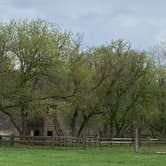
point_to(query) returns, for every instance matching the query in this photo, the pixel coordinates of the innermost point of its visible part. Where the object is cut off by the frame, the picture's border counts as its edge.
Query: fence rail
(74, 141)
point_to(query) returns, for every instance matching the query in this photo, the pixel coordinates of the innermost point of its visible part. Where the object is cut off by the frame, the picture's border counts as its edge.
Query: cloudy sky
(142, 22)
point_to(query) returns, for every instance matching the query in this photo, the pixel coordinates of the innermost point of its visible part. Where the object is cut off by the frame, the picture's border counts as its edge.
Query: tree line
(106, 90)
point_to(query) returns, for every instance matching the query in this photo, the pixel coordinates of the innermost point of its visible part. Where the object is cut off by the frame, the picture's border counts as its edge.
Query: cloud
(141, 22)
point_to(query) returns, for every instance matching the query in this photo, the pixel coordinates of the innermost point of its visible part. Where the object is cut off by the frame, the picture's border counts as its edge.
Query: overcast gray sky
(142, 22)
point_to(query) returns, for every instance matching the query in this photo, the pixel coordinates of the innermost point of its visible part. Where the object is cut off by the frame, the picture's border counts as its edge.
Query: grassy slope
(113, 156)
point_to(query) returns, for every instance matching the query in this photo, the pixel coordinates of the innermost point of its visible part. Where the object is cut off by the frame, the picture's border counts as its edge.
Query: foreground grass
(109, 156)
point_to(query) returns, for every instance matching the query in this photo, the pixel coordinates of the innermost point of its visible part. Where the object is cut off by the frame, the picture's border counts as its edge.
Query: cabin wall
(35, 127)
(49, 126)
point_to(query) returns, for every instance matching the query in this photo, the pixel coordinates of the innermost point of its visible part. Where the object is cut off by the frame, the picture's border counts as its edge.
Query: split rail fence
(74, 141)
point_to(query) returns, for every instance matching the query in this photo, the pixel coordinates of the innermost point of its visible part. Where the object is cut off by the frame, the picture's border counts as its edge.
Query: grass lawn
(108, 156)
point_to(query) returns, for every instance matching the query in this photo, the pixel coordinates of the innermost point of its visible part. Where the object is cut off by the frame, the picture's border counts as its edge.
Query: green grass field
(109, 156)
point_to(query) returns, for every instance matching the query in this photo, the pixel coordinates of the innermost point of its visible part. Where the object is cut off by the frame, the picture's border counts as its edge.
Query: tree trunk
(73, 122)
(136, 138)
(105, 130)
(83, 124)
(111, 133)
(23, 122)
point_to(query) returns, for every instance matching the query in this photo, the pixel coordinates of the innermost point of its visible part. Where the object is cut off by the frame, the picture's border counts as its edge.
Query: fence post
(99, 141)
(11, 140)
(84, 141)
(136, 137)
(53, 141)
(64, 141)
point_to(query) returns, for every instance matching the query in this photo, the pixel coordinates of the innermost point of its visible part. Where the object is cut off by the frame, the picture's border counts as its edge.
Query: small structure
(6, 126)
(47, 126)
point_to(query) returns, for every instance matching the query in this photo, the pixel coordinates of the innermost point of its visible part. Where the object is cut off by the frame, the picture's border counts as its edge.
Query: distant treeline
(106, 90)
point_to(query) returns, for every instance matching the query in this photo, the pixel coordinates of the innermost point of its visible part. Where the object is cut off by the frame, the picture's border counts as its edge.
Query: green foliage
(99, 90)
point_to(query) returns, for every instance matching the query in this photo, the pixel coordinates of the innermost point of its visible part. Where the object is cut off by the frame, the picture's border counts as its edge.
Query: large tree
(33, 49)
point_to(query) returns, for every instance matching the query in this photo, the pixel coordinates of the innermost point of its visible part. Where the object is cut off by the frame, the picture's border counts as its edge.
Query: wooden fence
(74, 141)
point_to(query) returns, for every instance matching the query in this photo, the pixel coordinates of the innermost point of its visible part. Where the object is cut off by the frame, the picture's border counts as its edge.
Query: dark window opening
(36, 133)
(49, 133)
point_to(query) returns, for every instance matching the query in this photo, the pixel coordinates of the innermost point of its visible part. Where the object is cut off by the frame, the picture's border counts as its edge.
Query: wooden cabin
(47, 126)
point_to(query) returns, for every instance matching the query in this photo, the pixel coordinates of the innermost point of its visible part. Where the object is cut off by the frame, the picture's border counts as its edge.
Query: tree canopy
(102, 90)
